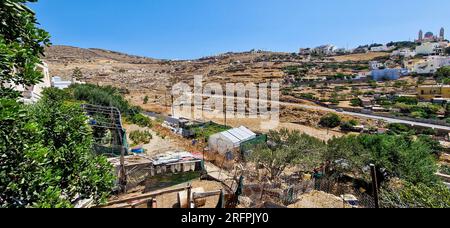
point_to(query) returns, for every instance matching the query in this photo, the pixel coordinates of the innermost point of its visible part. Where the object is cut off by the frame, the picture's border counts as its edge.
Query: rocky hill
(68, 53)
(141, 74)
(154, 78)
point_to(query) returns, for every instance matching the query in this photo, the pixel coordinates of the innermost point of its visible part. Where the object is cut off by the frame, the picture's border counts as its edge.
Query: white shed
(230, 140)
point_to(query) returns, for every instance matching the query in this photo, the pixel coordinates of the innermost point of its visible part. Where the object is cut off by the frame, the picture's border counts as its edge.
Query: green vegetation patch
(141, 137)
(208, 129)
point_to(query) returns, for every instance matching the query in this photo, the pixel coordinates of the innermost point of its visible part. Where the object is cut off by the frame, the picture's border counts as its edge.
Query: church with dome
(430, 37)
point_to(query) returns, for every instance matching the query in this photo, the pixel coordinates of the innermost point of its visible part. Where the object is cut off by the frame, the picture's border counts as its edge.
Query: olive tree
(288, 148)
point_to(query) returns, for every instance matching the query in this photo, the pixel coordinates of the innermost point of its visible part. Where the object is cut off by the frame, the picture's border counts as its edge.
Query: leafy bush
(445, 169)
(308, 96)
(348, 126)
(421, 110)
(400, 84)
(403, 44)
(109, 96)
(407, 100)
(416, 196)
(419, 114)
(330, 121)
(334, 101)
(141, 137)
(103, 96)
(205, 131)
(428, 131)
(402, 156)
(434, 145)
(356, 102)
(50, 162)
(442, 73)
(141, 120)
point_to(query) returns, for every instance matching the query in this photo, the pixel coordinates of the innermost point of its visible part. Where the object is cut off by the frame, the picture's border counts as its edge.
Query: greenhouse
(231, 140)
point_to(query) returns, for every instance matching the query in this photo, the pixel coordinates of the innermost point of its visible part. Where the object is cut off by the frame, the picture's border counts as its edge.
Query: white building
(431, 64)
(57, 82)
(429, 48)
(363, 75)
(405, 52)
(375, 65)
(381, 48)
(31, 94)
(304, 51)
(325, 50)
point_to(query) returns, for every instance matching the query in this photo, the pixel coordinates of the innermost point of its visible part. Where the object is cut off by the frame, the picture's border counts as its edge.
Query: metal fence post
(375, 185)
(189, 192)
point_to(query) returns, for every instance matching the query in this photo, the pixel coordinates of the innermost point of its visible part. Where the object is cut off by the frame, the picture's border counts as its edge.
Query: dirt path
(160, 143)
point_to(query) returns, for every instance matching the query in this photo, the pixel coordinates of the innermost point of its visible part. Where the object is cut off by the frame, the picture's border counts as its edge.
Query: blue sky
(187, 29)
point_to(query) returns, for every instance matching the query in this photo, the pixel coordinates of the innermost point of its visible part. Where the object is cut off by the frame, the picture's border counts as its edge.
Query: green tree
(443, 74)
(141, 137)
(52, 163)
(346, 155)
(407, 100)
(68, 138)
(103, 96)
(356, 102)
(398, 128)
(141, 120)
(349, 125)
(331, 120)
(77, 74)
(21, 45)
(288, 148)
(401, 156)
(373, 84)
(146, 98)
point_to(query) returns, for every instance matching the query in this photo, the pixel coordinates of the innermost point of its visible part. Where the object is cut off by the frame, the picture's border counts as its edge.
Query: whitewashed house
(325, 50)
(381, 48)
(57, 82)
(31, 94)
(431, 64)
(405, 52)
(375, 65)
(429, 48)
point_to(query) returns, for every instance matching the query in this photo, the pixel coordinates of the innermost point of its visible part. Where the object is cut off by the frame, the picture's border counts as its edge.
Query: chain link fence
(288, 189)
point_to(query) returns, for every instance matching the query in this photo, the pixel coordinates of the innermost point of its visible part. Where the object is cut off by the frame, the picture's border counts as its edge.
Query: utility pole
(373, 170)
(225, 107)
(225, 113)
(173, 107)
(165, 100)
